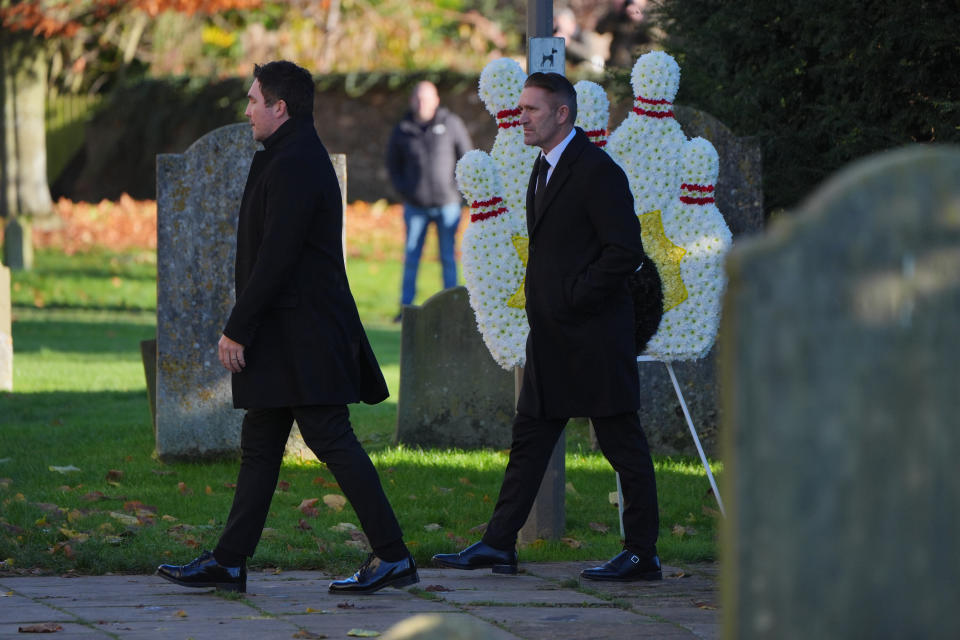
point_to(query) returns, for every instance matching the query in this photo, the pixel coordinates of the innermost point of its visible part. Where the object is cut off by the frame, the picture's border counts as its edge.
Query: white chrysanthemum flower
(593, 111)
(492, 267)
(501, 82)
(647, 142)
(656, 76)
(694, 223)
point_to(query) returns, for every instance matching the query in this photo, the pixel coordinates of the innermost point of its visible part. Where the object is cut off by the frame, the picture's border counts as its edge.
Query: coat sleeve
(291, 204)
(610, 209)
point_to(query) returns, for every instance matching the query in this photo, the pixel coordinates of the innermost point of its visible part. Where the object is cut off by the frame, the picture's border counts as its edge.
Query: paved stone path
(545, 602)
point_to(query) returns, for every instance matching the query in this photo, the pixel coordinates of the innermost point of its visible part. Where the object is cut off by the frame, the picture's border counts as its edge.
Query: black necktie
(541, 182)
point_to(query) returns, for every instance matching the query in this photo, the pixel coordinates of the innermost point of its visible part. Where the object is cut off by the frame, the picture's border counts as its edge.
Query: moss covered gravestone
(838, 356)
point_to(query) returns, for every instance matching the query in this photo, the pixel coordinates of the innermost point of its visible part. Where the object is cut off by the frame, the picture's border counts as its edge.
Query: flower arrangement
(672, 181)
(501, 83)
(494, 260)
(593, 111)
(693, 222)
(647, 142)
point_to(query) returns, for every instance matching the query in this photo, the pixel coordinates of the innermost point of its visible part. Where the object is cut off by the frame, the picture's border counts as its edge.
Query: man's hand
(231, 354)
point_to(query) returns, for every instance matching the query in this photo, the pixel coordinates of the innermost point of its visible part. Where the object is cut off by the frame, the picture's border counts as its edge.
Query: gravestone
(198, 199)
(452, 392)
(739, 197)
(839, 352)
(6, 332)
(18, 244)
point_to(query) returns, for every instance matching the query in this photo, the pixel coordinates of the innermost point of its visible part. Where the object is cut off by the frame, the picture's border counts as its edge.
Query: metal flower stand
(693, 432)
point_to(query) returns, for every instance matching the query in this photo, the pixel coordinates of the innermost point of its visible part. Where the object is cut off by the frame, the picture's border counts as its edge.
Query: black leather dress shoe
(479, 556)
(375, 574)
(626, 567)
(204, 571)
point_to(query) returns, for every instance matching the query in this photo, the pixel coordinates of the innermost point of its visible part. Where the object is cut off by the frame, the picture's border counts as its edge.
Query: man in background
(421, 158)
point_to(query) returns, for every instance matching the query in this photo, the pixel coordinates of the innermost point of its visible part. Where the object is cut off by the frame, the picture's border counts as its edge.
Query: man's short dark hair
(557, 85)
(283, 80)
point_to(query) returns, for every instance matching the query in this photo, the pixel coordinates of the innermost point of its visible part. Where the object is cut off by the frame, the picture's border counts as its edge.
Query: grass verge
(81, 490)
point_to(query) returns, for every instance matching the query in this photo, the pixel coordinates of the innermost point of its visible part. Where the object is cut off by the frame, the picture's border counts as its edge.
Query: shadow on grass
(99, 334)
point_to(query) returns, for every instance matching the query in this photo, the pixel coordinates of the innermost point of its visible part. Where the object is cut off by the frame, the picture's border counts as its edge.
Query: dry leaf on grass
(64, 469)
(573, 543)
(599, 527)
(335, 501)
(44, 627)
(308, 507)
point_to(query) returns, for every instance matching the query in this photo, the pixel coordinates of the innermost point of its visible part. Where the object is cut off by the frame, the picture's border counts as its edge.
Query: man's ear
(563, 114)
(280, 108)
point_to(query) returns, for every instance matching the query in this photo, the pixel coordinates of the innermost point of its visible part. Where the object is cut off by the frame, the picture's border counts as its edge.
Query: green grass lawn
(81, 489)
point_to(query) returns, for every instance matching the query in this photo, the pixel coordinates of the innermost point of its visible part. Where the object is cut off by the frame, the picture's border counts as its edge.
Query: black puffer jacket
(421, 158)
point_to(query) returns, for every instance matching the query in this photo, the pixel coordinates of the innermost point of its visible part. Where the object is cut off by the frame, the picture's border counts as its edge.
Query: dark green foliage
(820, 82)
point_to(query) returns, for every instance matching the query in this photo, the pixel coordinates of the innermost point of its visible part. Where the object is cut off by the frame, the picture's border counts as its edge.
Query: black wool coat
(584, 244)
(295, 314)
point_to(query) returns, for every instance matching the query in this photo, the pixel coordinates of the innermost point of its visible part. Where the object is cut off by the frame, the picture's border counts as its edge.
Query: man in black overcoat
(584, 245)
(294, 342)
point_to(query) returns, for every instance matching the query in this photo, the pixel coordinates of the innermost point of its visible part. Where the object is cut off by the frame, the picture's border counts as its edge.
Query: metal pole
(539, 23)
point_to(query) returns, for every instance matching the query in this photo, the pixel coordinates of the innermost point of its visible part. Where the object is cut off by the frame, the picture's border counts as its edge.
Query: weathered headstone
(452, 392)
(198, 198)
(6, 332)
(740, 198)
(838, 353)
(18, 244)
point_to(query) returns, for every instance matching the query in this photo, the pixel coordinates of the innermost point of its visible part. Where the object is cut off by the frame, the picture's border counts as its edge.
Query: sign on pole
(547, 55)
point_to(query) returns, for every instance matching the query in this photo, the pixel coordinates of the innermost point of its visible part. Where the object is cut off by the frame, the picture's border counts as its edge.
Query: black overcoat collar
(561, 173)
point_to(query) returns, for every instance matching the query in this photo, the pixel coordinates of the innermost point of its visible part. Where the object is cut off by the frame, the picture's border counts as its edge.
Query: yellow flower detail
(519, 299)
(217, 37)
(666, 256)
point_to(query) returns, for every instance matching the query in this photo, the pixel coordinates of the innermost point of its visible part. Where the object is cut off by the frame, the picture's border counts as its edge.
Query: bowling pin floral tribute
(672, 181)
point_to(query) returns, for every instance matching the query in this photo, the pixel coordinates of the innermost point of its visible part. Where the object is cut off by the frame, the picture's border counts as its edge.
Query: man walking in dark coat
(294, 342)
(584, 244)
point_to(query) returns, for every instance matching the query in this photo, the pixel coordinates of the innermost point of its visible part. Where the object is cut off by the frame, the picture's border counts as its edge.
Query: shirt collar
(554, 156)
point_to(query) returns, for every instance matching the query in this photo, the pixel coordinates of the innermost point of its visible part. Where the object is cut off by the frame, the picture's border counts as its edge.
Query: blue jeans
(417, 219)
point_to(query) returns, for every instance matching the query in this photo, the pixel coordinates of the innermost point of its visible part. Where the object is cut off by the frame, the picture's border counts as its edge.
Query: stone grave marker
(198, 199)
(838, 355)
(18, 244)
(452, 392)
(6, 332)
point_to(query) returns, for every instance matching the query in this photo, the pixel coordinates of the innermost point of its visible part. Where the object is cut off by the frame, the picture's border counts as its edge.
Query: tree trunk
(23, 149)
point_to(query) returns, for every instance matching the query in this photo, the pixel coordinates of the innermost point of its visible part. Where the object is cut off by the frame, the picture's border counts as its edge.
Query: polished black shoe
(375, 574)
(626, 567)
(205, 571)
(479, 556)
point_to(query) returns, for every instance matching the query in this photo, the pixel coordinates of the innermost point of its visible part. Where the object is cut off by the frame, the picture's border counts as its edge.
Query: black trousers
(327, 431)
(624, 444)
